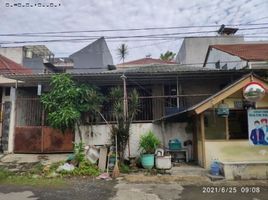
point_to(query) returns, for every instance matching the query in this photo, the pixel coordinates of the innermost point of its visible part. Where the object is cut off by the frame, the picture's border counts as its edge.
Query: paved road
(79, 190)
(120, 190)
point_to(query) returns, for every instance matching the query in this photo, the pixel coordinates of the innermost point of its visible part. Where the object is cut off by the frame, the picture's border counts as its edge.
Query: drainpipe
(178, 92)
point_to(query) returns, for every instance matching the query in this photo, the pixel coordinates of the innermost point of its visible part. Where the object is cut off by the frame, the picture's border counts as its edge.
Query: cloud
(115, 14)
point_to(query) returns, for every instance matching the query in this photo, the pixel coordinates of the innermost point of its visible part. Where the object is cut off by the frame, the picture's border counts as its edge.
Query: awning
(8, 82)
(213, 100)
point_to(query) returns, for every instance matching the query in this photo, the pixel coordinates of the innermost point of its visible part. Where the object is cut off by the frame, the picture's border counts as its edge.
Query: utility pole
(123, 77)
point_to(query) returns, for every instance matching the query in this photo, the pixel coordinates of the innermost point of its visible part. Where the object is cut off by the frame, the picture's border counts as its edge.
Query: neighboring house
(7, 95)
(144, 62)
(193, 49)
(237, 56)
(30, 56)
(96, 57)
(7, 66)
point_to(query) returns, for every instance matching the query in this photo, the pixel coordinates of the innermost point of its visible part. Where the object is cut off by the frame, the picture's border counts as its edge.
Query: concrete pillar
(12, 120)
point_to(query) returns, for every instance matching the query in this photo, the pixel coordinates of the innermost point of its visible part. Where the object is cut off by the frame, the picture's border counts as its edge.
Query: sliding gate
(31, 133)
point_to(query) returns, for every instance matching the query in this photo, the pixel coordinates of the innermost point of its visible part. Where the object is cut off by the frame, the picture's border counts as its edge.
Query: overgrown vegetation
(79, 152)
(121, 129)
(66, 101)
(7, 177)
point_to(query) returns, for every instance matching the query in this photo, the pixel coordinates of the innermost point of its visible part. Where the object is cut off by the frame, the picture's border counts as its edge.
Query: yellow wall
(232, 150)
(199, 153)
(263, 103)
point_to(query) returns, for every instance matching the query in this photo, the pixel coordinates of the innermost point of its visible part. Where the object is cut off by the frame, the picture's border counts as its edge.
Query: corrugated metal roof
(145, 61)
(159, 68)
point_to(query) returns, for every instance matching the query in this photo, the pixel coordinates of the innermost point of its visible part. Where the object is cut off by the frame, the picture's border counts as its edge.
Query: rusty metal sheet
(55, 141)
(28, 140)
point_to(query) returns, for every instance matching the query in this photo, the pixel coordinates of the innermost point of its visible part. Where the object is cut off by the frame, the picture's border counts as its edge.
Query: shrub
(149, 142)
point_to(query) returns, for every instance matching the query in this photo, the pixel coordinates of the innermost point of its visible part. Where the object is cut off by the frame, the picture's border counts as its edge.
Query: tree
(66, 101)
(122, 52)
(122, 128)
(168, 56)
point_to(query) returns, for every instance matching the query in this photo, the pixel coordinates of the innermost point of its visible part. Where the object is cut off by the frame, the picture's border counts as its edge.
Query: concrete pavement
(91, 189)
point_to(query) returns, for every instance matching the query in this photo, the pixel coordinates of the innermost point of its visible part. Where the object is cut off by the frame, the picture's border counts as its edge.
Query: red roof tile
(8, 66)
(249, 52)
(146, 61)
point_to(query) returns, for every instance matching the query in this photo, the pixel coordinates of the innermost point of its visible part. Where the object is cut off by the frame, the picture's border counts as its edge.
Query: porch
(226, 139)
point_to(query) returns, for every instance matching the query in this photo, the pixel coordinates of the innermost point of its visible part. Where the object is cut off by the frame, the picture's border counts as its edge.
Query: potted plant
(148, 144)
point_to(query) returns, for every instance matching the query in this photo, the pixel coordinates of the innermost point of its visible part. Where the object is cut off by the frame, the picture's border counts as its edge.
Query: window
(215, 128)
(171, 90)
(238, 124)
(7, 91)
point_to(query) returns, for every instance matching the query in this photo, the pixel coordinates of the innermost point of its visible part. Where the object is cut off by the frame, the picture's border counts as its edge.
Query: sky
(82, 15)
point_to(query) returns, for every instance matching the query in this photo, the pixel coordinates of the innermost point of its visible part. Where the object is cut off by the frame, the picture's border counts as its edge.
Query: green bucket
(147, 161)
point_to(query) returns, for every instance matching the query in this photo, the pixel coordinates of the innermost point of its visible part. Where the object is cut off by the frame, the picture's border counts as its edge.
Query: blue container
(215, 169)
(147, 161)
(174, 144)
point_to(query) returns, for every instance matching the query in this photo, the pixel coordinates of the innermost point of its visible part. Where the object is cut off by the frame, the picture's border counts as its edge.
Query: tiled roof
(145, 61)
(8, 66)
(249, 52)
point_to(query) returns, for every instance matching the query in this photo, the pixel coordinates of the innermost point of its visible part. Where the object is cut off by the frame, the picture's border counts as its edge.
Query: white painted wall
(101, 134)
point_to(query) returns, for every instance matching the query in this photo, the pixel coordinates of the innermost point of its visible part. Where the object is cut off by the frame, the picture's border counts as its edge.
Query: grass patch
(10, 178)
(124, 168)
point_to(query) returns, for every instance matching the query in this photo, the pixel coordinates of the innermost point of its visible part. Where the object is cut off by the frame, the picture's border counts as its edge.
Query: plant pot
(147, 161)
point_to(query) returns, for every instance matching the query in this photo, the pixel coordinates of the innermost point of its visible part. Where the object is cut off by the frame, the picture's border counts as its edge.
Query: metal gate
(32, 135)
(5, 125)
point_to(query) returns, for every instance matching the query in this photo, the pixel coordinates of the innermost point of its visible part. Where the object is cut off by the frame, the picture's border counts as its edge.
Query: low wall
(245, 170)
(243, 161)
(100, 134)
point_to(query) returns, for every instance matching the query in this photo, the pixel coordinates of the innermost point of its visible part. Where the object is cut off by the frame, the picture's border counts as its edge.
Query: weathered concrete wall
(194, 49)
(244, 170)
(225, 59)
(13, 53)
(100, 134)
(234, 151)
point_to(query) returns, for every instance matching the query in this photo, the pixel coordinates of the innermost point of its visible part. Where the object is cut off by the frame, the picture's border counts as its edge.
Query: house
(164, 90)
(193, 49)
(176, 102)
(7, 91)
(237, 56)
(30, 56)
(145, 62)
(96, 57)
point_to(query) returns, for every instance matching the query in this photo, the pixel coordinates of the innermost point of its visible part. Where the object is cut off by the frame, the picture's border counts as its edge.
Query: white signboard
(258, 127)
